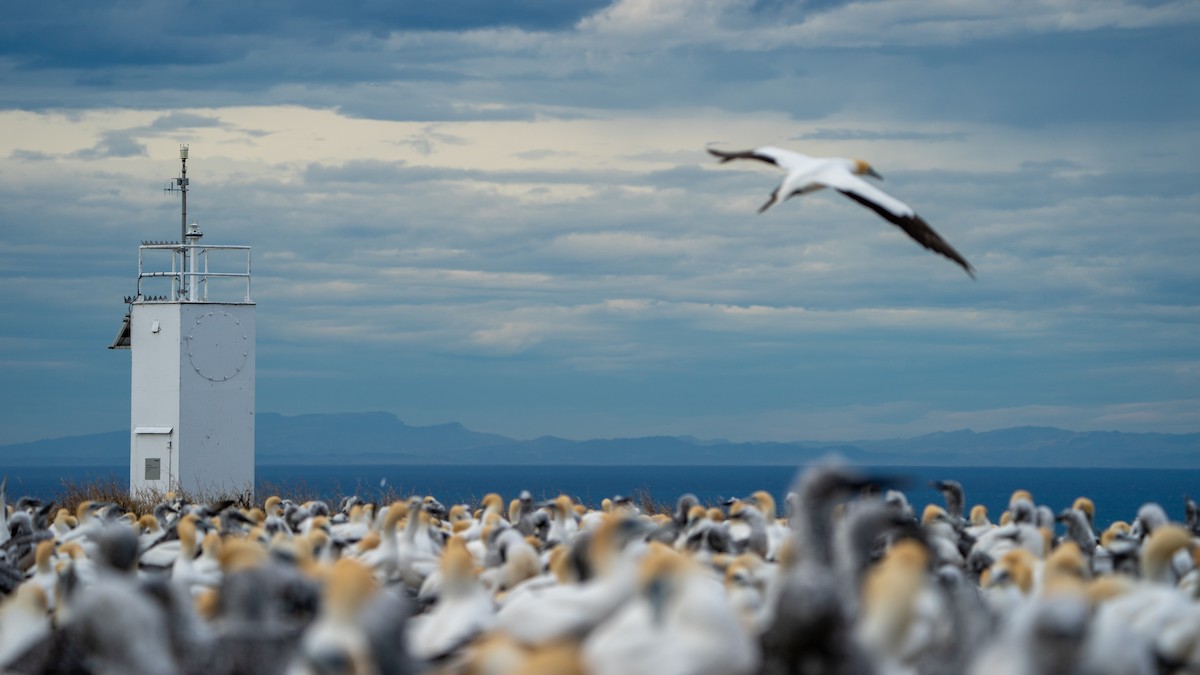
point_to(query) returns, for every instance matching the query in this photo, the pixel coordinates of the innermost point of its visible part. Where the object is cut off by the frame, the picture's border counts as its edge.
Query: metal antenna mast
(181, 184)
(183, 187)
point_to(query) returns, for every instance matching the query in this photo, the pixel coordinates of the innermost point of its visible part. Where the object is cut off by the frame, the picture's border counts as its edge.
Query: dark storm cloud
(345, 56)
(90, 35)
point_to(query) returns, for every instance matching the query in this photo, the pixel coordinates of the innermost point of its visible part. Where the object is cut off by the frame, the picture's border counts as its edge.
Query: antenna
(180, 185)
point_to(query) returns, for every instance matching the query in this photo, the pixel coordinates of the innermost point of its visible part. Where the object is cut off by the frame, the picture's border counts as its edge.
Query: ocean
(1117, 493)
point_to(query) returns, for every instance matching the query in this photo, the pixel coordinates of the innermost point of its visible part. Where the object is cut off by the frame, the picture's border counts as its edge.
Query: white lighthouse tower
(190, 330)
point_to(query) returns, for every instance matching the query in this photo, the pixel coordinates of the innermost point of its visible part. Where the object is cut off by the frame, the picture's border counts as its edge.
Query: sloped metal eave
(124, 339)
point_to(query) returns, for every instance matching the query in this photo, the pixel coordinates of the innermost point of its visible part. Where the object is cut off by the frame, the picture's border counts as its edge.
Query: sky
(503, 214)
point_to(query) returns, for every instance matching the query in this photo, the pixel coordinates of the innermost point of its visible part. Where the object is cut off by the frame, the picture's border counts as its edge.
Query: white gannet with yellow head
(809, 174)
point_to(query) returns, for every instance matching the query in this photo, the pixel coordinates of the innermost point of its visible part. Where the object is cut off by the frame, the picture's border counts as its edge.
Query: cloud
(742, 25)
(507, 339)
(177, 120)
(30, 156)
(429, 138)
(826, 134)
(510, 210)
(114, 144)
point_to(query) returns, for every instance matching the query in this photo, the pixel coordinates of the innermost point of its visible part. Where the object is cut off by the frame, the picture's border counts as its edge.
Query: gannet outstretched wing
(808, 174)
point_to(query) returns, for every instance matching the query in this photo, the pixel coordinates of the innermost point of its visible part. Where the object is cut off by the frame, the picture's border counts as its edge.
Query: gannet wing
(894, 211)
(784, 159)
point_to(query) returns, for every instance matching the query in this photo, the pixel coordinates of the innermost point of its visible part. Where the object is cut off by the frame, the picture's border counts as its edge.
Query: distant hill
(381, 438)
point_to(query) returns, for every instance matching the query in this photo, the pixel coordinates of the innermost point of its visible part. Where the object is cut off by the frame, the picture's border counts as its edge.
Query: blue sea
(1117, 492)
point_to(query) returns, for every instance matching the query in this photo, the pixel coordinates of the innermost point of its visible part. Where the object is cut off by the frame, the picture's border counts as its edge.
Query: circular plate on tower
(217, 346)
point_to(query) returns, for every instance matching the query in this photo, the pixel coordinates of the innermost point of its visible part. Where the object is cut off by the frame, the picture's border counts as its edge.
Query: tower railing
(198, 273)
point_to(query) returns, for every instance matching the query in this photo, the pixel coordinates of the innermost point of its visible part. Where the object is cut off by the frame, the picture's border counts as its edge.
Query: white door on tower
(151, 462)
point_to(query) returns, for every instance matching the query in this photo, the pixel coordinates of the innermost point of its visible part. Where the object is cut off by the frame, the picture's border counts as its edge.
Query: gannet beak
(873, 173)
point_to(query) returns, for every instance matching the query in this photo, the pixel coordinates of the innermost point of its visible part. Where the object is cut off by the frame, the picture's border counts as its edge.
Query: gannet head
(457, 565)
(979, 515)
(862, 168)
(1087, 506)
(1114, 532)
(492, 503)
(241, 554)
(765, 502)
(1160, 546)
(934, 514)
(348, 587)
(459, 514)
(1065, 570)
(1015, 567)
(83, 509)
(149, 524)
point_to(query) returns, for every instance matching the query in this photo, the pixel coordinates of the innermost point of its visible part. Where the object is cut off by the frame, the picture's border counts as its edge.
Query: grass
(644, 500)
(114, 491)
(143, 501)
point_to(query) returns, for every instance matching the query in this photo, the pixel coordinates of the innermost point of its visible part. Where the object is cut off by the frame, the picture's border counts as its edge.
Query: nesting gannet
(679, 621)
(113, 625)
(753, 535)
(265, 601)
(562, 524)
(1154, 608)
(1079, 530)
(1066, 570)
(336, 642)
(811, 625)
(519, 562)
(195, 574)
(1089, 509)
(940, 532)
(952, 492)
(1149, 517)
(979, 523)
(463, 610)
(44, 574)
(1042, 637)
(23, 621)
(354, 526)
(383, 557)
(748, 583)
(420, 546)
(905, 617)
(808, 174)
(571, 610)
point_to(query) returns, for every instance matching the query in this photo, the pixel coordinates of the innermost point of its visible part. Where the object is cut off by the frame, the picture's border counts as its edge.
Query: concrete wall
(154, 391)
(195, 375)
(217, 378)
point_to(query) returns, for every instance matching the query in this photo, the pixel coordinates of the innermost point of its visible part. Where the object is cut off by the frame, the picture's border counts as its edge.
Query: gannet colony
(847, 577)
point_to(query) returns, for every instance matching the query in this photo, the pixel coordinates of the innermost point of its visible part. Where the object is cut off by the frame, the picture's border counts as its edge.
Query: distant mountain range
(381, 438)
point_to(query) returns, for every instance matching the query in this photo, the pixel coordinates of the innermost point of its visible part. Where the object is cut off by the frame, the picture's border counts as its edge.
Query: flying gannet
(808, 174)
